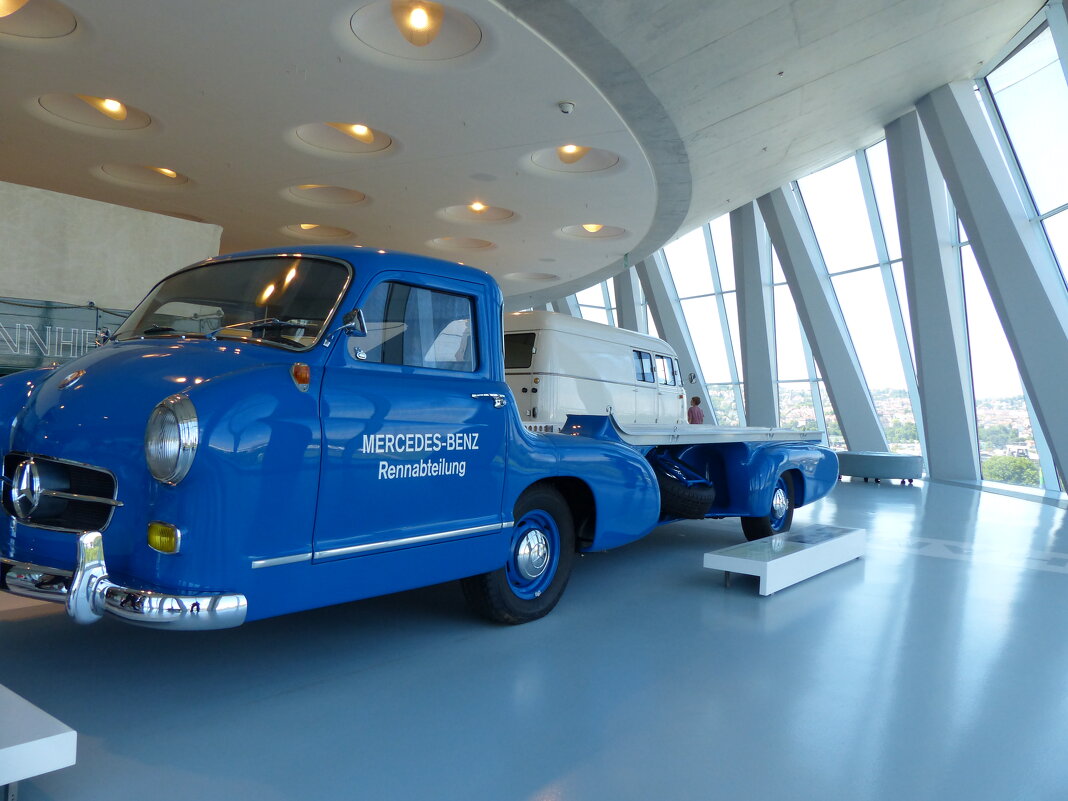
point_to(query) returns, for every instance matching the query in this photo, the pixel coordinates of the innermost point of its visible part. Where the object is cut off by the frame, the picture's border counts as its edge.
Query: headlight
(171, 439)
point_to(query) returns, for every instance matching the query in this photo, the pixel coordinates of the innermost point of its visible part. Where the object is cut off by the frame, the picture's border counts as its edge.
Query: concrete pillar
(629, 312)
(821, 318)
(756, 315)
(1025, 284)
(933, 283)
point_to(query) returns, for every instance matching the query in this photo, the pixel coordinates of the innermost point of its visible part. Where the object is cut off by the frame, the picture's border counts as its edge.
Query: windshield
(285, 301)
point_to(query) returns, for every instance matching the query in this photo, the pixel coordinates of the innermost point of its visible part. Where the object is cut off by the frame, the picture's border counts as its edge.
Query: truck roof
(554, 321)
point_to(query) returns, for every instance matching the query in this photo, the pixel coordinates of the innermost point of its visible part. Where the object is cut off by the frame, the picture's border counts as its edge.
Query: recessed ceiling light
(343, 137)
(478, 207)
(323, 195)
(582, 159)
(316, 232)
(9, 7)
(591, 231)
(391, 27)
(357, 131)
(41, 19)
(104, 113)
(477, 212)
(142, 176)
(165, 171)
(569, 154)
(418, 20)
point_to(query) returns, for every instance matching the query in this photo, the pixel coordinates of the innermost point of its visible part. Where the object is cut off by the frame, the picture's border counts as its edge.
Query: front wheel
(540, 556)
(780, 516)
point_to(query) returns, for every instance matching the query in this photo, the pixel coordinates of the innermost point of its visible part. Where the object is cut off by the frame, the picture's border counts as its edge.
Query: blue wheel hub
(535, 555)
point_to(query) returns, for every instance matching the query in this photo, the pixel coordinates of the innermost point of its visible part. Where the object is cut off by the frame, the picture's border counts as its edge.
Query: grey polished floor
(934, 668)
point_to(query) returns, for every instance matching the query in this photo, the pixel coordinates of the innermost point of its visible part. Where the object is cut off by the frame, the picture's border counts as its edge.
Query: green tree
(1012, 470)
(998, 436)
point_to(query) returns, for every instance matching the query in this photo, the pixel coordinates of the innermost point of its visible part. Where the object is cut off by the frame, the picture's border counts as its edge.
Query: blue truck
(273, 431)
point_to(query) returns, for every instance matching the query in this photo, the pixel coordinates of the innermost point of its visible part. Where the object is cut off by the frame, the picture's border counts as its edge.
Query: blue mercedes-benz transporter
(274, 431)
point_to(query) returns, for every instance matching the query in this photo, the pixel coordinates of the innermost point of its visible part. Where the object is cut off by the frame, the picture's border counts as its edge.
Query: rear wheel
(540, 557)
(780, 516)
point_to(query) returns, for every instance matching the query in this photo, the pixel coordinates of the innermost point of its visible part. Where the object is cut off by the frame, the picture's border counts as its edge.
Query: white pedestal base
(786, 559)
(32, 742)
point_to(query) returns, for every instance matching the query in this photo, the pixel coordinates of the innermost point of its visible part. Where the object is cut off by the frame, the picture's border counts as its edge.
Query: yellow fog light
(164, 537)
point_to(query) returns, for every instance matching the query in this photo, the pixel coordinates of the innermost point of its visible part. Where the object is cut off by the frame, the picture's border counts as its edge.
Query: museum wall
(69, 249)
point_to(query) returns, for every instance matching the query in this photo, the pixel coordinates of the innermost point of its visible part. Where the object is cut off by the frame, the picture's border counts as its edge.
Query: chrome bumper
(89, 594)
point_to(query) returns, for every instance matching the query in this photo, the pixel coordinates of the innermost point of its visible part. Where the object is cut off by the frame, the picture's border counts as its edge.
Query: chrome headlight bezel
(171, 438)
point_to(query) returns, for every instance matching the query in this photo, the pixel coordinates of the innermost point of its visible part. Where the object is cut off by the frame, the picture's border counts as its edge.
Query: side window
(664, 371)
(418, 327)
(675, 370)
(643, 366)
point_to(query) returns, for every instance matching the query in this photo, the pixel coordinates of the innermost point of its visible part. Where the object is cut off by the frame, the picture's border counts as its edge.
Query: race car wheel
(780, 516)
(540, 557)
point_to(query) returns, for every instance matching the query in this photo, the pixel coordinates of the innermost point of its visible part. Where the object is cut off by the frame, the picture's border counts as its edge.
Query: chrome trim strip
(281, 560)
(73, 496)
(32, 568)
(420, 540)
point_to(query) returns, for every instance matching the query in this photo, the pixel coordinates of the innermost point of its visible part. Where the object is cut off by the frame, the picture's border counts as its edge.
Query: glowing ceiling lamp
(164, 171)
(592, 227)
(107, 106)
(478, 207)
(569, 154)
(308, 226)
(357, 131)
(9, 7)
(419, 21)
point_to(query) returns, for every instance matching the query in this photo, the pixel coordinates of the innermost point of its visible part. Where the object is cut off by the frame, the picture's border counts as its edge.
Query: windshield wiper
(270, 324)
(158, 329)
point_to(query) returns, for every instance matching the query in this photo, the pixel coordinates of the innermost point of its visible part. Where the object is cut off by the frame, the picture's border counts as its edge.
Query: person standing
(695, 414)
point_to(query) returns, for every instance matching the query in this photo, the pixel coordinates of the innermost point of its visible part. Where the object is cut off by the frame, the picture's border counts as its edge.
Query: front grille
(70, 497)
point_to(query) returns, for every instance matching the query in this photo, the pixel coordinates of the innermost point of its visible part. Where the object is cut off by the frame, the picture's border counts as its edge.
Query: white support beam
(821, 318)
(664, 305)
(1025, 284)
(568, 305)
(934, 286)
(756, 315)
(1058, 26)
(629, 313)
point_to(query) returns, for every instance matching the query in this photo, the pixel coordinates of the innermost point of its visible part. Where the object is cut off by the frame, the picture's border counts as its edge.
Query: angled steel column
(756, 315)
(821, 318)
(1058, 26)
(664, 305)
(568, 305)
(935, 291)
(1025, 284)
(628, 302)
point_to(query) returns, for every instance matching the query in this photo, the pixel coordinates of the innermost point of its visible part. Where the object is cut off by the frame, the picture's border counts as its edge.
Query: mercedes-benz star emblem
(25, 489)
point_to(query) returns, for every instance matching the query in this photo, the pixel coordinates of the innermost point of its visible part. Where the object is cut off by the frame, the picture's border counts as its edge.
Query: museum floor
(934, 668)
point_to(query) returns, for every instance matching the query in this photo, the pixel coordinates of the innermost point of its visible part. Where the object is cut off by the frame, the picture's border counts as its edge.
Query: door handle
(498, 400)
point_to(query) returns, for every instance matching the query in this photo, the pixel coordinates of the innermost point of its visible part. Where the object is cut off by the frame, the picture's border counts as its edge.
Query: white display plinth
(785, 559)
(32, 742)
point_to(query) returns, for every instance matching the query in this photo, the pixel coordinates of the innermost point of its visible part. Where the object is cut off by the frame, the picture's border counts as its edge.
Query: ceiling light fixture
(357, 131)
(592, 227)
(165, 171)
(107, 106)
(478, 207)
(308, 226)
(9, 7)
(418, 21)
(569, 154)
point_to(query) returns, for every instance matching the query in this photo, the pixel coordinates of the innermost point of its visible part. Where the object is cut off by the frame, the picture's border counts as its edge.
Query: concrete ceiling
(707, 104)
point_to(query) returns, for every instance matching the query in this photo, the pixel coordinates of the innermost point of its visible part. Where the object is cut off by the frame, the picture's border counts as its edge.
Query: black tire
(531, 583)
(677, 500)
(756, 528)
